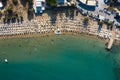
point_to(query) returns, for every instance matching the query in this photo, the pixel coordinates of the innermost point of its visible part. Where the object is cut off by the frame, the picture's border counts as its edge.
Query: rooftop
(1, 5)
(38, 6)
(89, 2)
(60, 1)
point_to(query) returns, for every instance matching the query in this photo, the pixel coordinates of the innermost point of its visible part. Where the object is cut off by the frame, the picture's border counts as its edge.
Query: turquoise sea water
(63, 57)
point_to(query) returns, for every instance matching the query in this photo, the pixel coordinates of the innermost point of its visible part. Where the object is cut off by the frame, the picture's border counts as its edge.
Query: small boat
(6, 61)
(57, 32)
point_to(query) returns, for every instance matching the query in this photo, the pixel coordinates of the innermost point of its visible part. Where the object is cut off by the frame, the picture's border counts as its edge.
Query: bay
(63, 57)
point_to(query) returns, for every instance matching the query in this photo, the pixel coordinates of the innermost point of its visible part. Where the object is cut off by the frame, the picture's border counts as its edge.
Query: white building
(39, 6)
(1, 5)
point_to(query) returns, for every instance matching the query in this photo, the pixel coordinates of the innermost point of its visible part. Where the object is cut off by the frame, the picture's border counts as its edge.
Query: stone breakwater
(44, 27)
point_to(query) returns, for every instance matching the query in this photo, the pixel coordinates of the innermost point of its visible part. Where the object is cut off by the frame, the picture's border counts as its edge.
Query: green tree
(101, 22)
(85, 21)
(110, 25)
(8, 10)
(51, 2)
(31, 10)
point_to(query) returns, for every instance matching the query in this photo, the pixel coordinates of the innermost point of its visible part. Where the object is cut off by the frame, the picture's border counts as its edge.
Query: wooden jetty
(111, 41)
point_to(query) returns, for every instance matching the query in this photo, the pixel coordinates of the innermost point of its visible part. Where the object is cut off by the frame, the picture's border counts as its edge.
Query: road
(101, 6)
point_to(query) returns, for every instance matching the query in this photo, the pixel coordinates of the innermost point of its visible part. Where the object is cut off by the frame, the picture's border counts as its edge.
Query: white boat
(6, 61)
(57, 32)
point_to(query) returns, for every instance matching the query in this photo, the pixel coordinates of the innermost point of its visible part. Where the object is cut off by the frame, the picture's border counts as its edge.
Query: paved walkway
(101, 6)
(99, 10)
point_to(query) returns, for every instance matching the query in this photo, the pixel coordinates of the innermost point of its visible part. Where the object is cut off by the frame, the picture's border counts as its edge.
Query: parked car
(100, 10)
(106, 11)
(117, 17)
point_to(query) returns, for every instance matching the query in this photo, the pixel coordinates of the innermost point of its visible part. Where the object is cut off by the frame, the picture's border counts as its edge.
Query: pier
(111, 41)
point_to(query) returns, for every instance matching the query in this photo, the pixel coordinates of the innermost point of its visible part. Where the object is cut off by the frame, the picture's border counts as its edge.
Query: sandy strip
(32, 35)
(50, 34)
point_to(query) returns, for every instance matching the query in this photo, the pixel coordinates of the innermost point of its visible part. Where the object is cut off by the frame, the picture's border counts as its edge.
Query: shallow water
(61, 57)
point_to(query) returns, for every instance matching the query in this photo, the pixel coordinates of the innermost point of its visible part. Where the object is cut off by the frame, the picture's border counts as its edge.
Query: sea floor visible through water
(59, 57)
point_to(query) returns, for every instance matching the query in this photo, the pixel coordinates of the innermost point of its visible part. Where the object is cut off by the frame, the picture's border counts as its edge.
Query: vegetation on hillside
(16, 9)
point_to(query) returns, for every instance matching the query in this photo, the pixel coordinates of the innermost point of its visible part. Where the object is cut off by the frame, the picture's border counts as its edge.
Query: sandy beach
(47, 24)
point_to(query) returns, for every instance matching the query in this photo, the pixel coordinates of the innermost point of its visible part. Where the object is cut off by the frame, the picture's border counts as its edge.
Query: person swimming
(19, 45)
(52, 40)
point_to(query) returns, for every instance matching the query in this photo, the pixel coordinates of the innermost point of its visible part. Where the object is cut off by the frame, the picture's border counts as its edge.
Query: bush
(8, 10)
